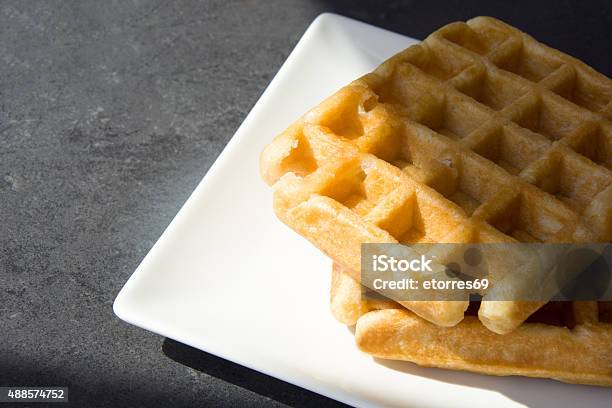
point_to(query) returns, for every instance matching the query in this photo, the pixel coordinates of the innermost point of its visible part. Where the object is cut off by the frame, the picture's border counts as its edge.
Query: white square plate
(228, 278)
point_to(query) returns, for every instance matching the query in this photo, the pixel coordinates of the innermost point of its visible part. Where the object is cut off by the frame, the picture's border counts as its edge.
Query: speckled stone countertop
(110, 114)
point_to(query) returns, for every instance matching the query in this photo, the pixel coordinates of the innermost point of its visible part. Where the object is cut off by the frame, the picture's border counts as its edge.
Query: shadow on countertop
(538, 392)
(243, 377)
(577, 28)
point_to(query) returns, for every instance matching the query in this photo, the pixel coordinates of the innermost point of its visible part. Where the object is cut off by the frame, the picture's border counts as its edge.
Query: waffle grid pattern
(478, 134)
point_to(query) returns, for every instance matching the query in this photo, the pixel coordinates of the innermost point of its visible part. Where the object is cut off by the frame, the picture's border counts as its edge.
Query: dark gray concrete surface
(110, 114)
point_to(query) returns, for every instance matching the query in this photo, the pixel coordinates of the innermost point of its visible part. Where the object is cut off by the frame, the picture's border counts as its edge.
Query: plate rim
(121, 307)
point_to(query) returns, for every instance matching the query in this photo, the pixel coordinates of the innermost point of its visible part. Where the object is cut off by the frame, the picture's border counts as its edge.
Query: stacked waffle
(479, 134)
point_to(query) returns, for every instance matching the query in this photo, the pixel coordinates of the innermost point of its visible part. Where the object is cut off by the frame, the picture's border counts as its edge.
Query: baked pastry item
(566, 341)
(478, 134)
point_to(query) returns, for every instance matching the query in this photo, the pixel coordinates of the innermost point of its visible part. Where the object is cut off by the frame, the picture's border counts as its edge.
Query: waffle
(346, 301)
(566, 341)
(478, 134)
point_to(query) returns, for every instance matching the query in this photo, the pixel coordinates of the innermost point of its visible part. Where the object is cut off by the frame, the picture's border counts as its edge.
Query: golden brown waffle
(478, 134)
(346, 301)
(566, 341)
